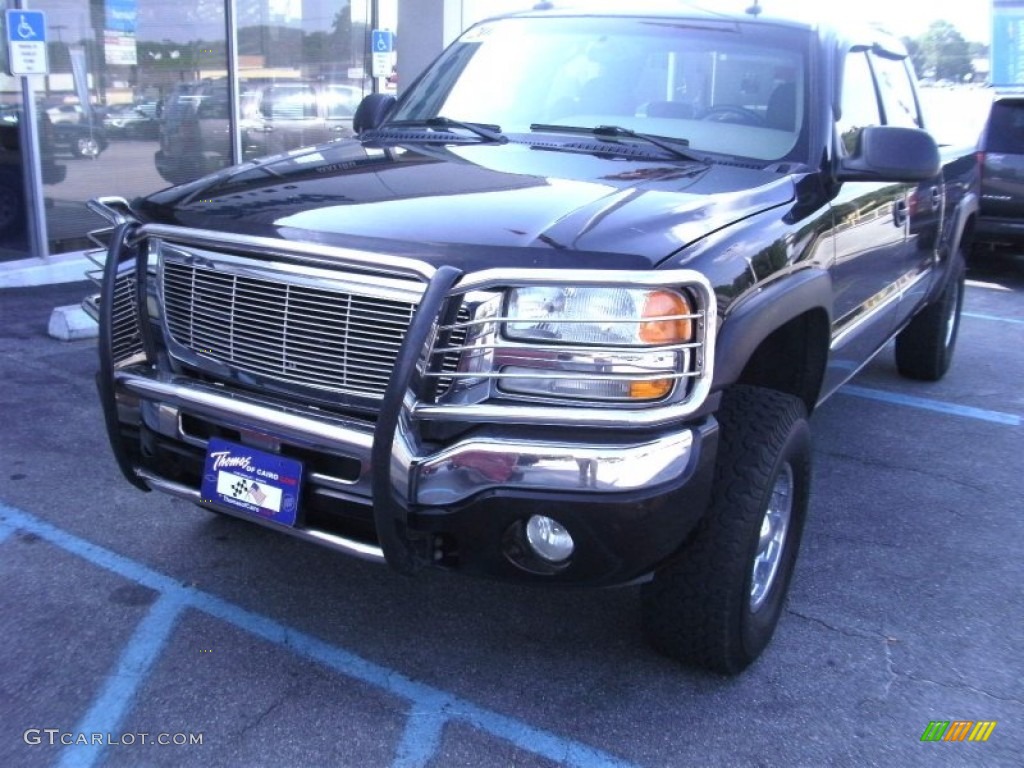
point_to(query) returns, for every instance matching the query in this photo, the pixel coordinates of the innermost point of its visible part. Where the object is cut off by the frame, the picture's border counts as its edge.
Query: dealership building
(124, 97)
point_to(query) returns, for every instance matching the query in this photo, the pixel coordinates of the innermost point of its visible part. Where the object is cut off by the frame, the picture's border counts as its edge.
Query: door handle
(936, 198)
(899, 212)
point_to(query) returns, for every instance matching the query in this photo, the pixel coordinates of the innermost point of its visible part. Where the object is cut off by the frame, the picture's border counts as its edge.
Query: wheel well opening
(792, 359)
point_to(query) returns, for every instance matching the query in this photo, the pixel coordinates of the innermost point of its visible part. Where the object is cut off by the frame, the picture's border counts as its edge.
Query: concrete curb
(70, 323)
(62, 268)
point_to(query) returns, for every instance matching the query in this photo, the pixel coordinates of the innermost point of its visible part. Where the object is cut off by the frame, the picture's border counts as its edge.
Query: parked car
(78, 131)
(1001, 160)
(128, 121)
(274, 116)
(66, 113)
(13, 212)
(86, 139)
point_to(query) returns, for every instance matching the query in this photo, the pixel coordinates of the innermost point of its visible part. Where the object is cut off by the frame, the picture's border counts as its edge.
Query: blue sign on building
(121, 16)
(1007, 42)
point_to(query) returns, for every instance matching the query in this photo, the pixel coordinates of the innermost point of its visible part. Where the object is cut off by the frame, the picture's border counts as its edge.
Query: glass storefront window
(138, 95)
(301, 71)
(14, 236)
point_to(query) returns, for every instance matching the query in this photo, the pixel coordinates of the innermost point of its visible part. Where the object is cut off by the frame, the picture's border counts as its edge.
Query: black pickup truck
(558, 315)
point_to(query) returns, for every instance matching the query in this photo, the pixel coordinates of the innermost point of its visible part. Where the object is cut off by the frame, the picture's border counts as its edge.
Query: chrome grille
(126, 339)
(318, 337)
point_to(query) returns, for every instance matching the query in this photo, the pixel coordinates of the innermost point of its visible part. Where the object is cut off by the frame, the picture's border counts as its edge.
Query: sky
(901, 17)
(972, 18)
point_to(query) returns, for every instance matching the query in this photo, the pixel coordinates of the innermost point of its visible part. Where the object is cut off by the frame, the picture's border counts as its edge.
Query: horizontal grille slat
(301, 334)
(318, 337)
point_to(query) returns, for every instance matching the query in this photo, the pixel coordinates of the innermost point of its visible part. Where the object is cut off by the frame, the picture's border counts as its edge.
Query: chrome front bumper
(442, 477)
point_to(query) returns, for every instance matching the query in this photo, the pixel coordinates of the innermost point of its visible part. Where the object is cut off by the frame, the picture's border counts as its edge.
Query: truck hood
(460, 202)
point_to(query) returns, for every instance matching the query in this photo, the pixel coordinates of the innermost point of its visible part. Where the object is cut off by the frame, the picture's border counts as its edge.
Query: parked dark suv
(13, 214)
(275, 116)
(1001, 157)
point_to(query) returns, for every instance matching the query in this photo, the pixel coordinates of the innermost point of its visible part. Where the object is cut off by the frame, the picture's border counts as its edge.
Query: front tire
(924, 349)
(717, 603)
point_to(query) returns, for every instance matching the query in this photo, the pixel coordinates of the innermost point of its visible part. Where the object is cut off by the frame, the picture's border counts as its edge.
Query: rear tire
(717, 603)
(924, 349)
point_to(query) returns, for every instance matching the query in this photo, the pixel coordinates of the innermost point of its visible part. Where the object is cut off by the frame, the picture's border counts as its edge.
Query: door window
(859, 101)
(897, 91)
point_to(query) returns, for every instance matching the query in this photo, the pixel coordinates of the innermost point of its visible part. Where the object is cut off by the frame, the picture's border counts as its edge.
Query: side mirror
(889, 153)
(372, 111)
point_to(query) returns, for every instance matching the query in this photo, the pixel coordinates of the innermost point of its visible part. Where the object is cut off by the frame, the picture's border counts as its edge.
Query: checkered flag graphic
(239, 488)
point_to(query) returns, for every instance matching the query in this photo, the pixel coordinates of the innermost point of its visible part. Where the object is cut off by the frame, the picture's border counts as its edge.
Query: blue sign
(382, 41)
(1007, 43)
(26, 27)
(26, 43)
(121, 16)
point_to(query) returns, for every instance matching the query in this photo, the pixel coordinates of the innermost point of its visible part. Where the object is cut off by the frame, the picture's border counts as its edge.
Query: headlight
(592, 343)
(602, 316)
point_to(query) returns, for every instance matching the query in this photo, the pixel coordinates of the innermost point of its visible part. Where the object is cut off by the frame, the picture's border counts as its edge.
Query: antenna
(755, 9)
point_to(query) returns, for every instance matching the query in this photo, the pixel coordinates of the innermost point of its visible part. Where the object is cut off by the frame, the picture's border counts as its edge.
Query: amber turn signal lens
(649, 390)
(670, 330)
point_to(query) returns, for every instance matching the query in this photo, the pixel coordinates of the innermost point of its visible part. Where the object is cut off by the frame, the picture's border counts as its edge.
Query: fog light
(549, 539)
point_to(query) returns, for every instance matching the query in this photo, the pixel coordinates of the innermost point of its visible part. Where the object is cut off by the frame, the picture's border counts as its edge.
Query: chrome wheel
(88, 148)
(772, 541)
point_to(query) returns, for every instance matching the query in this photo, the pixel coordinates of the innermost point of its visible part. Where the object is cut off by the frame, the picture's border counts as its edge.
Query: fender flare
(965, 209)
(753, 319)
(961, 215)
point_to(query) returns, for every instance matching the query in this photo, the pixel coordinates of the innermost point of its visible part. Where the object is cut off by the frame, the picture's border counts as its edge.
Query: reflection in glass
(138, 98)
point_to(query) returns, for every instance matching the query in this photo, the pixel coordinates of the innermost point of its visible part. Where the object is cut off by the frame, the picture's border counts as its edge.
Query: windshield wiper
(489, 132)
(673, 146)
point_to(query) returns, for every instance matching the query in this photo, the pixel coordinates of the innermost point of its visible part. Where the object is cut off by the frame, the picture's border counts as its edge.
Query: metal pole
(31, 162)
(374, 24)
(234, 87)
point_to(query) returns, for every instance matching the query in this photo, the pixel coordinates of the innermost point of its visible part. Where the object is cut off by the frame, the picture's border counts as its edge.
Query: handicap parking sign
(382, 41)
(26, 42)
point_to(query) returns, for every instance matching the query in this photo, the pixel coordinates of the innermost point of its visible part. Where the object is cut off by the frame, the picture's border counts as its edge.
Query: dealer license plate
(258, 483)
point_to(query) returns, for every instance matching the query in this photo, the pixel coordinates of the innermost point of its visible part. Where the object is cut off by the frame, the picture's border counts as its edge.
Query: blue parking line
(120, 688)
(953, 409)
(420, 740)
(997, 318)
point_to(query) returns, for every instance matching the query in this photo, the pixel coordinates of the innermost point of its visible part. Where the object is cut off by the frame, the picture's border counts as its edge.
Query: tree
(913, 47)
(945, 55)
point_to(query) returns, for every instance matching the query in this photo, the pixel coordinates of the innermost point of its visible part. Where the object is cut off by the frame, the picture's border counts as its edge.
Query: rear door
(924, 201)
(869, 234)
(1002, 177)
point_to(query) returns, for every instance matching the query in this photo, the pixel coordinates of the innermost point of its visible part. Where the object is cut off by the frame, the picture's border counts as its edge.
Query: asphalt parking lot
(145, 620)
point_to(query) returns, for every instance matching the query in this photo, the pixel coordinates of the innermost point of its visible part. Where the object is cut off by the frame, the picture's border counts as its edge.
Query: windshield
(737, 89)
